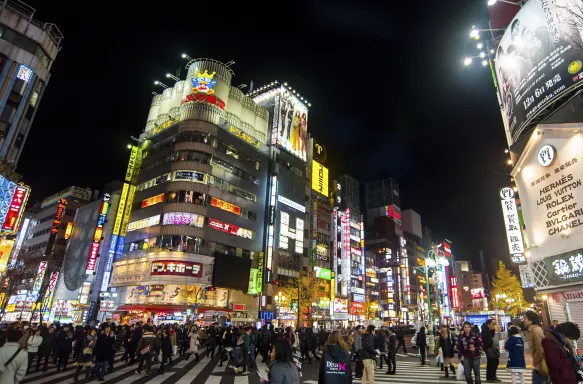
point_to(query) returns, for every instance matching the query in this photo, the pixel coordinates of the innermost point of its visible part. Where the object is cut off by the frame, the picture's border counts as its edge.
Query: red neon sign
(211, 99)
(16, 208)
(58, 216)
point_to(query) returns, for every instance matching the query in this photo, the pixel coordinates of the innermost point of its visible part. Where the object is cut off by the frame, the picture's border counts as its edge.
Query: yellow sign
(165, 125)
(121, 208)
(69, 230)
(319, 178)
(10, 307)
(132, 164)
(153, 200)
(128, 210)
(243, 136)
(5, 251)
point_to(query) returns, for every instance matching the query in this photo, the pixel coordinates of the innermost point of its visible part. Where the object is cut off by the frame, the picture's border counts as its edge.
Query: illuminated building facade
(197, 197)
(28, 48)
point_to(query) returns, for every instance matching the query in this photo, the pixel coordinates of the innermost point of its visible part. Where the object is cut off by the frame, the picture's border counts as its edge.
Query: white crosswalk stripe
(413, 372)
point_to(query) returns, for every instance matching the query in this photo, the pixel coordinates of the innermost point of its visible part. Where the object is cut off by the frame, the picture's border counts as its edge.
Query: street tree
(18, 277)
(507, 291)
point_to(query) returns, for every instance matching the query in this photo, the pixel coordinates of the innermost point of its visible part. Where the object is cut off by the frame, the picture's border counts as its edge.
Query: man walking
(135, 337)
(401, 340)
(535, 335)
(469, 345)
(391, 360)
(245, 348)
(368, 355)
(492, 353)
(358, 331)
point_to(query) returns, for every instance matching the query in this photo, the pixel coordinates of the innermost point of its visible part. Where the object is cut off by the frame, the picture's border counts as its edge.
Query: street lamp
(279, 299)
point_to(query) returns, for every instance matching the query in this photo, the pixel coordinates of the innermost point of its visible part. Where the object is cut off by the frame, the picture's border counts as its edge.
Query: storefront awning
(152, 308)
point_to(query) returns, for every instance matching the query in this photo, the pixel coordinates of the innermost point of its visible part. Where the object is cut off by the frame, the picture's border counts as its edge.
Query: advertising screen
(224, 205)
(319, 178)
(144, 223)
(176, 268)
(153, 200)
(183, 218)
(340, 305)
(538, 60)
(230, 229)
(291, 125)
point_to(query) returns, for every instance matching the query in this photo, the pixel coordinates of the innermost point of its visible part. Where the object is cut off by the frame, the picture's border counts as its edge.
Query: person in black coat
(135, 337)
(79, 341)
(166, 349)
(447, 344)
(46, 348)
(391, 353)
(102, 351)
(421, 342)
(380, 343)
(64, 347)
(488, 343)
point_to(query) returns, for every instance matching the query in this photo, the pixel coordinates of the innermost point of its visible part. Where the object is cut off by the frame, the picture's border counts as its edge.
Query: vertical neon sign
(270, 235)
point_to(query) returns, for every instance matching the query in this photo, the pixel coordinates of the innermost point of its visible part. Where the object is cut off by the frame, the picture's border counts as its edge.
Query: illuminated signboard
(291, 204)
(121, 209)
(40, 275)
(84, 292)
(230, 229)
(270, 234)
(244, 136)
(259, 286)
(176, 268)
(90, 268)
(299, 236)
(128, 210)
(153, 200)
(144, 223)
(58, 216)
(477, 293)
(50, 292)
(358, 298)
(226, 206)
(340, 305)
(319, 178)
(183, 218)
(251, 289)
(323, 273)
(202, 88)
(19, 242)
(16, 209)
(165, 125)
(24, 73)
(512, 222)
(357, 308)
(135, 152)
(5, 250)
(197, 177)
(211, 99)
(69, 230)
(454, 292)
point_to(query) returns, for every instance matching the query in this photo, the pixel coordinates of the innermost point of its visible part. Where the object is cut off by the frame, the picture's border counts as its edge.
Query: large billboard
(538, 60)
(319, 178)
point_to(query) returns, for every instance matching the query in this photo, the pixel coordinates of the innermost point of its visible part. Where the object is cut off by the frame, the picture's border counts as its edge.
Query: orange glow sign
(69, 230)
(225, 206)
(153, 200)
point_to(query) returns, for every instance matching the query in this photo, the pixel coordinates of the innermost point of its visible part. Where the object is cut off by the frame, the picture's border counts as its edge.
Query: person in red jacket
(559, 354)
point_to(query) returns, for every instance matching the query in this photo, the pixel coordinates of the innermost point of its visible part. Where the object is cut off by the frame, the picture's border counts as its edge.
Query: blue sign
(358, 298)
(267, 315)
(477, 320)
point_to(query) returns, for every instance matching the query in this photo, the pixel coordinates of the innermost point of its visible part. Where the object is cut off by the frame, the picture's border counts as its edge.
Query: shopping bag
(174, 349)
(460, 372)
(438, 360)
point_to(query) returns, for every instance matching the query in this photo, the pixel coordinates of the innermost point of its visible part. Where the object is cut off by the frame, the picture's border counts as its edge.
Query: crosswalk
(182, 371)
(414, 372)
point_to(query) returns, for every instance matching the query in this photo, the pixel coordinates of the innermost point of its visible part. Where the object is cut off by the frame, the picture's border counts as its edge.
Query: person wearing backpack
(13, 359)
(243, 342)
(145, 349)
(335, 364)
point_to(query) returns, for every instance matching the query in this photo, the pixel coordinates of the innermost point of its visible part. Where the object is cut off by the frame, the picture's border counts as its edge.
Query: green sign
(323, 273)
(252, 289)
(259, 282)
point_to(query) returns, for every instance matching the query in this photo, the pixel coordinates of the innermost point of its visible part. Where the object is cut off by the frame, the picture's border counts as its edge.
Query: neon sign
(226, 206)
(230, 229)
(58, 216)
(16, 209)
(245, 137)
(176, 268)
(90, 268)
(203, 82)
(153, 200)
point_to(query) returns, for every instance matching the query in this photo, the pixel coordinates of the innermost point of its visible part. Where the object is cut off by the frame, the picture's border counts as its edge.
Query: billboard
(144, 223)
(538, 60)
(176, 268)
(512, 224)
(5, 251)
(183, 218)
(230, 229)
(319, 178)
(340, 305)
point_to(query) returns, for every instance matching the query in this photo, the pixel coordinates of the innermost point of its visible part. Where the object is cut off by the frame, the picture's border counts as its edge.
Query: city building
(28, 49)
(198, 190)
(415, 254)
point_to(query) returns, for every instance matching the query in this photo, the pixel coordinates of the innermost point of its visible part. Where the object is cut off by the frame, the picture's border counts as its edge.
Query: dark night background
(390, 96)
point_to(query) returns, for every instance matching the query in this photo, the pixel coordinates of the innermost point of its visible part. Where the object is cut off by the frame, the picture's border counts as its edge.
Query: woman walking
(33, 342)
(85, 357)
(421, 342)
(165, 350)
(560, 354)
(282, 369)
(515, 347)
(335, 364)
(193, 335)
(447, 348)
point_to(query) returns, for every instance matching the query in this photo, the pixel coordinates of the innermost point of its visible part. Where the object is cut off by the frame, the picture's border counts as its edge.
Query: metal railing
(27, 12)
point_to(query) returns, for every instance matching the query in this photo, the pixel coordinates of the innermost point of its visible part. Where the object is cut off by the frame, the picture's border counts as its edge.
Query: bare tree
(570, 14)
(20, 276)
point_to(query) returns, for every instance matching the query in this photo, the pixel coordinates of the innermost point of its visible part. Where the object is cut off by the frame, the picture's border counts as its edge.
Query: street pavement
(206, 370)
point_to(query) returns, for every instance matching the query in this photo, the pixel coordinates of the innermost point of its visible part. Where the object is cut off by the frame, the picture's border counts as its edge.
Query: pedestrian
(492, 353)
(46, 347)
(26, 333)
(172, 333)
(368, 354)
(401, 340)
(447, 344)
(185, 343)
(391, 358)
(193, 340)
(313, 343)
(421, 342)
(126, 343)
(469, 346)
(535, 335)
(85, 357)
(145, 348)
(117, 337)
(165, 350)
(13, 359)
(357, 346)
(64, 347)
(560, 354)
(516, 363)
(380, 344)
(553, 325)
(78, 339)
(282, 369)
(265, 341)
(243, 342)
(212, 340)
(135, 338)
(102, 351)
(335, 364)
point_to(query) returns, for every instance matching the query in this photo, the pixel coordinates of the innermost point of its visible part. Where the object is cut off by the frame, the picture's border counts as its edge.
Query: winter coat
(85, 357)
(464, 343)
(46, 347)
(380, 343)
(166, 346)
(34, 342)
(103, 348)
(391, 341)
(559, 360)
(335, 366)
(535, 335)
(367, 351)
(15, 371)
(172, 338)
(64, 344)
(421, 340)
(446, 344)
(136, 335)
(193, 342)
(515, 347)
(283, 373)
(487, 337)
(147, 340)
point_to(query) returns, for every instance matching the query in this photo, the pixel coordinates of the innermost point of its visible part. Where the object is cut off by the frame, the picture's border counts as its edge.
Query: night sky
(390, 96)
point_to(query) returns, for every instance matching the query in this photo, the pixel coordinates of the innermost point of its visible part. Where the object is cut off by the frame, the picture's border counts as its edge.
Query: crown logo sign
(203, 82)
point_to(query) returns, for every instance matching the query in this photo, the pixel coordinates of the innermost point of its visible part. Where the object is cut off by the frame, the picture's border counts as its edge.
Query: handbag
(492, 353)
(145, 350)
(460, 372)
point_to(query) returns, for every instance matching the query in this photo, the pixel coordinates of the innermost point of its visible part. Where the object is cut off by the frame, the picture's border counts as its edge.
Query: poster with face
(293, 124)
(539, 59)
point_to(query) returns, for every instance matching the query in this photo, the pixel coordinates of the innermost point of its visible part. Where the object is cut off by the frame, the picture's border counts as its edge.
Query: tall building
(415, 254)
(28, 49)
(198, 203)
